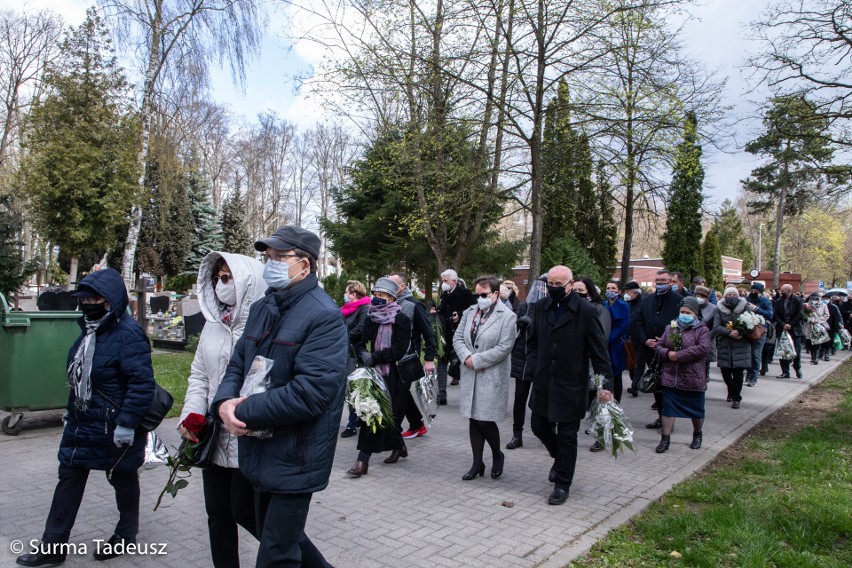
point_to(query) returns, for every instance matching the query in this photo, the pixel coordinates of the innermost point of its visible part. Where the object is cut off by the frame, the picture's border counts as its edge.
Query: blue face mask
(675, 288)
(685, 319)
(376, 301)
(663, 288)
(611, 295)
(276, 273)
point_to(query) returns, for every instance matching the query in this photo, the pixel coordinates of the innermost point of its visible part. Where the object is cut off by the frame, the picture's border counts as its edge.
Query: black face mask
(94, 312)
(556, 292)
(731, 302)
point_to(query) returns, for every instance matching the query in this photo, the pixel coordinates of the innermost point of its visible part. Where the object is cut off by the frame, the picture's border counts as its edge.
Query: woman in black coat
(112, 385)
(384, 315)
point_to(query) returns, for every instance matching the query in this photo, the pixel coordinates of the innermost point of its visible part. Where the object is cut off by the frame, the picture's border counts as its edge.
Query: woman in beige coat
(483, 343)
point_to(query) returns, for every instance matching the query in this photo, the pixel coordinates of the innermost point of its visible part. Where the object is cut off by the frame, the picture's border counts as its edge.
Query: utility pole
(759, 246)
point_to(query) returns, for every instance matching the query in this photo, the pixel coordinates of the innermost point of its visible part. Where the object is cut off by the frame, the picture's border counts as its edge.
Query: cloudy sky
(716, 34)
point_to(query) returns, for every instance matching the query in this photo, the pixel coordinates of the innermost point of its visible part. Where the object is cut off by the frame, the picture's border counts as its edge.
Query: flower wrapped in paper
(369, 397)
(608, 424)
(786, 349)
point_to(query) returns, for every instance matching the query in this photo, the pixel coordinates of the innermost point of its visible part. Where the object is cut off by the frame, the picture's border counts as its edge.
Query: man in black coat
(454, 300)
(565, 335)
(300, 328)
(788, 317)
(654, 314)
(835, 322)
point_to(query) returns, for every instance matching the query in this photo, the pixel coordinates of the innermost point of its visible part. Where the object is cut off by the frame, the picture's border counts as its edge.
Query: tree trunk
(628, 196)
(72, 272)
(146, 112)
(779, 228)
(535, 149)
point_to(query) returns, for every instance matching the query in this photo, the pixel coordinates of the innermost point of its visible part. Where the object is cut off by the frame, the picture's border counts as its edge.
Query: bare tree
(185, 33)
(28, 43)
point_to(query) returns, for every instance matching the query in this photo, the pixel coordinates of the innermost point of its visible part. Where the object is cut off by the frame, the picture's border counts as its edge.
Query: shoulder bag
(161, 403)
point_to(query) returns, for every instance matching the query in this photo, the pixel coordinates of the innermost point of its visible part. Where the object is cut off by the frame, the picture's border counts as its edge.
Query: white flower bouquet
(608, 424)
(845, 338)
(369, 396)
(785, 349)
(819, 334)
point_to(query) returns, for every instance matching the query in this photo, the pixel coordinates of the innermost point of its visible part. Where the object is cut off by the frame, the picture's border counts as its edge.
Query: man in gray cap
(299, 327)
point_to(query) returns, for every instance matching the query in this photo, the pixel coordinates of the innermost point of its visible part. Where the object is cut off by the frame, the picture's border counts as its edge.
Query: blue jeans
(756, 358)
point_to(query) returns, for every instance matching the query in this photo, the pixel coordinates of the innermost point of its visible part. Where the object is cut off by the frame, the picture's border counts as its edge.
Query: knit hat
(731, 290)
(702, 291)
(386, 285)
(692, 304)
(757, 286)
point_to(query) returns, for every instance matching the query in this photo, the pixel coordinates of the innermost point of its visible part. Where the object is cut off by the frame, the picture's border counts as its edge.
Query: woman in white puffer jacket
(228, 284)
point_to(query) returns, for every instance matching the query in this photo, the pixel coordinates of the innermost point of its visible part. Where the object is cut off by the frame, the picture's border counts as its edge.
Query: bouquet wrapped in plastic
(608, 424)
(785, 349)
(257, 382)
(845, 338)
(819, 334)
(369, 396)
(426, 396)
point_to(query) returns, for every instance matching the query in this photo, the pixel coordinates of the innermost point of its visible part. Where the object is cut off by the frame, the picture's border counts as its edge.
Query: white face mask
(627, 297)
(701, 301)
(227, 293)
(483, 303)
(445, 287)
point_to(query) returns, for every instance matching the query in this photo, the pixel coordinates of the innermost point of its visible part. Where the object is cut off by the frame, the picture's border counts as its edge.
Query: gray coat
(730, 353)
(485, 388)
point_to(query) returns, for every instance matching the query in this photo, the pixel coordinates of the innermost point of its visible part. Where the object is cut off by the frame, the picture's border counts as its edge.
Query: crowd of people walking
(277, 444)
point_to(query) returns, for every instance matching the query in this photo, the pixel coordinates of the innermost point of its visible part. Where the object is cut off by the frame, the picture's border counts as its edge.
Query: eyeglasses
(225, 278)
(277, 257)
(483, 295)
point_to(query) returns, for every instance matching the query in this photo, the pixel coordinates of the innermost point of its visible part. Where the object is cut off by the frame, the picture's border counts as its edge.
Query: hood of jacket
(248, 278)
(109, 285)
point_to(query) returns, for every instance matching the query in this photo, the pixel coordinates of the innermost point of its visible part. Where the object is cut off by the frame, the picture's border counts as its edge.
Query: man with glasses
(300, 328)
(654, 314)
(565, 335)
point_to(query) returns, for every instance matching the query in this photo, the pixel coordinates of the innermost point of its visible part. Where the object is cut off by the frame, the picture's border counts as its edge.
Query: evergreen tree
(681, 249)
(729, 230)
(711, 261)
(80, 167)
(559, 184)
(568, 251)
(14, 271)
(207, 235)
(235, 236)
(606, 247)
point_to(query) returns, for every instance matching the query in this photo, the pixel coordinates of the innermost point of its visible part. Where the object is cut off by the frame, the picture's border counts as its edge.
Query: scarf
(385, 316)
(80, 368)
(480, 318)
(352, 307)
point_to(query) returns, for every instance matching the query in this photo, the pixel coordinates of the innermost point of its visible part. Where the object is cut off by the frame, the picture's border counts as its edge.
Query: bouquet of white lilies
(608, 424)
(370, 398)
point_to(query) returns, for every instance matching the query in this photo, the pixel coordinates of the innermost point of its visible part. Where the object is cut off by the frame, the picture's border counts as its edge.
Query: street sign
(849, 284)
(821, 285)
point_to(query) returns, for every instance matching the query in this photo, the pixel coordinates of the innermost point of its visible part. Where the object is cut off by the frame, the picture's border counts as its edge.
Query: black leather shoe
(515, 442)
(632, 391)
(655, 406)
(784, 376)
(474, 471)
(596, 447)
(558, 496)
(348, 433)
(110, 550)
(442, 400)
(396, 454)
(663, 446)
(551, 477)
(654, 425)
(497, 466)
(826, 358)
(735, 404)
(360, 468)
(696, 440)
(798, 374)
(39, 559)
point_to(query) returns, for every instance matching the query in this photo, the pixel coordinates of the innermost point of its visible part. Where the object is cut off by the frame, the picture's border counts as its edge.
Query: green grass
(172, 371)
(790, 506)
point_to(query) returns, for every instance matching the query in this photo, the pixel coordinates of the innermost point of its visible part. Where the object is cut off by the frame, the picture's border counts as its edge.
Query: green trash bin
(33, 353)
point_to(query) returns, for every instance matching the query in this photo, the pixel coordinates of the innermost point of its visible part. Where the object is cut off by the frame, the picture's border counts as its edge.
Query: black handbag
(650, 381)
(410, 368)
(160, 406)
(206, 446)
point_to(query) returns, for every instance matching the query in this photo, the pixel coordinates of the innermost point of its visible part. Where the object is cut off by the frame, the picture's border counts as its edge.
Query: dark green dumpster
(33, 352)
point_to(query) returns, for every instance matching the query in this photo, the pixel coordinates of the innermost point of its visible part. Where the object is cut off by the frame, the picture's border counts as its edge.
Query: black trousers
(797, 362)
(560, 439)
(281, 525)
(412, 413)
(229, 500)
(734, 381)
(519, 408)
(69, 495)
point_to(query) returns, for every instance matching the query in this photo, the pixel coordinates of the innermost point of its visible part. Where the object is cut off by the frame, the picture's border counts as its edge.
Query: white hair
(450, 273)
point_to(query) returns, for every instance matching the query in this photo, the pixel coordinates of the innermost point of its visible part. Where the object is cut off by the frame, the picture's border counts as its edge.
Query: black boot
(697, 438)
(40, 559)
(664, 444)
(517, 441)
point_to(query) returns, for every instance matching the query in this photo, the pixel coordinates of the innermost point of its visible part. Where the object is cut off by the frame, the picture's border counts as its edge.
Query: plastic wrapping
(155, 452)
(426, 396)
(369, 396)
(845, 338)
(257, 382)
(819, 335)
(785, 348)
(608, 424)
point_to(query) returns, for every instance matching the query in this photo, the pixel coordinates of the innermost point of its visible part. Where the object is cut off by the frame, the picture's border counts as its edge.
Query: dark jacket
(520, 369)
(653, 315)
(762, 306)
(795, 317)
(559, 352)
(689, 371)
(421, 328)
(619, 313)
(456, 301)
(122, 386)
(730, 353)
(835, 320)
(355, 326)
(302, 330)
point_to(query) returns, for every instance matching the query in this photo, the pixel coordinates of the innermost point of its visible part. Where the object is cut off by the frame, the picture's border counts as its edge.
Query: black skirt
(683, 403)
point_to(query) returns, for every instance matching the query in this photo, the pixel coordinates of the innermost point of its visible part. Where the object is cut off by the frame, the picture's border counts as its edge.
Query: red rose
(194, 423)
